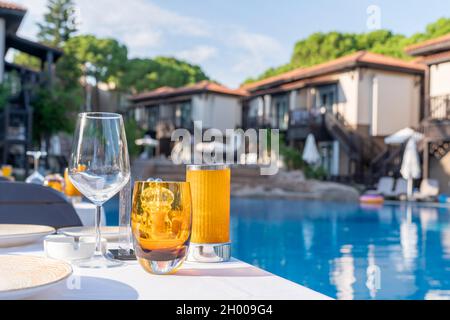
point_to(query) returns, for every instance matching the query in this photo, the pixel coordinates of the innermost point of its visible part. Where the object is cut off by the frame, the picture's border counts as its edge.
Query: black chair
(22, 203)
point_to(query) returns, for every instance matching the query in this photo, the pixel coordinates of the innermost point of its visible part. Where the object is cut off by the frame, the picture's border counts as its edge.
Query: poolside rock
(293, 185)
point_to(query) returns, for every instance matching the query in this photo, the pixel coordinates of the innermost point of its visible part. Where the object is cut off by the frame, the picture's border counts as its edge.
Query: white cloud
(149, 29)
(198, 54)
(140, 24)
(36, 10)
(256, 50)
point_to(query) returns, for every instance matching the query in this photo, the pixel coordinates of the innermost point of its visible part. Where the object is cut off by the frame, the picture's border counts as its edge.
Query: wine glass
(99, 168)
(36, 177)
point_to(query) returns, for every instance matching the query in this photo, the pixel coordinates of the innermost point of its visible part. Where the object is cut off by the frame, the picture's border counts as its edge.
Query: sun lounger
(401, 188)
(429, 190)
(22, 203)
(385, 186)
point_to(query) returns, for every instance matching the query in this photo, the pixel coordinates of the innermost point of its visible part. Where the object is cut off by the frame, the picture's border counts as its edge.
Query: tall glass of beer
(210, 188)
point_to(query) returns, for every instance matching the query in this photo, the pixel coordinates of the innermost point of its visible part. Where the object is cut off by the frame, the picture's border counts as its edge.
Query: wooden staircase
(145, 169)
(436, 126)
(364, 152)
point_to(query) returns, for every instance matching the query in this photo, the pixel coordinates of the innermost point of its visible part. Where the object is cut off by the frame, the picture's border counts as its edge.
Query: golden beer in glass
(210, 187)
(54, 181)
(161, 225)
(7, 171)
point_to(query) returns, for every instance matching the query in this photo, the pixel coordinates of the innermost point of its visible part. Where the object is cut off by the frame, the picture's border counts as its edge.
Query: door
(280, 112)
(326, 97)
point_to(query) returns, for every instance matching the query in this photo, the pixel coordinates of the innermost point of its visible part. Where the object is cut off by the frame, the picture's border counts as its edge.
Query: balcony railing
(255, 122)
(301, 118)
(440, 107)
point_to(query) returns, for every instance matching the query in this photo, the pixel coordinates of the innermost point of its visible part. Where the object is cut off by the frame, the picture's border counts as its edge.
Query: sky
(235, 39)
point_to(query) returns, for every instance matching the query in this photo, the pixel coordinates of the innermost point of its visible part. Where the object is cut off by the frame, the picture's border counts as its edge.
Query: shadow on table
(92, 288)
(224, 272)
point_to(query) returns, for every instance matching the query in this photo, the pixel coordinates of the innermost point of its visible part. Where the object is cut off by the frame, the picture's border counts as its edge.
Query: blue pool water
(344, 250)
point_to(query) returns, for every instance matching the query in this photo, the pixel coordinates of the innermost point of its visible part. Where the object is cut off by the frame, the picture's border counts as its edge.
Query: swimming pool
(347, 251)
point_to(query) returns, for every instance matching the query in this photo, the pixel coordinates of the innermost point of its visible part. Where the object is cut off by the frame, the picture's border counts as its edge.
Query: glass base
(161, 267)
(99, 261)
(209, 252)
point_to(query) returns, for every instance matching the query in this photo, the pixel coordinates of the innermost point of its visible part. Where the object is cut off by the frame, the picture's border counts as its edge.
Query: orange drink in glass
(54, 181)
(161, 224)
(69, 188)
(7, 171)
(210, 188)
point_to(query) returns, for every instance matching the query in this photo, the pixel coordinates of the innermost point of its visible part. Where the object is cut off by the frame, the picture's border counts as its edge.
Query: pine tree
(59, 23)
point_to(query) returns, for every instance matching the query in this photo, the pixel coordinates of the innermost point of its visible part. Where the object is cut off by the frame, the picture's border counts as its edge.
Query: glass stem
(36, 164)
(98, 234)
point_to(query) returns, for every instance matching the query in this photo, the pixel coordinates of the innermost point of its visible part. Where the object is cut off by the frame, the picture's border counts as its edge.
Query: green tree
(26, 60)
(97, 60)
(54, 107)
(102, 59)
(433, 30)
(54, 111)
(321, 47)
(59, 23)
(148, 74)
(134, 132)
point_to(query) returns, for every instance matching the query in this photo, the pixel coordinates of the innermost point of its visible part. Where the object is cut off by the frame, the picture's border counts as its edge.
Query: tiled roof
(200, 87)
(434, 58)
(430, 46)
(360, 58)
(11, 6)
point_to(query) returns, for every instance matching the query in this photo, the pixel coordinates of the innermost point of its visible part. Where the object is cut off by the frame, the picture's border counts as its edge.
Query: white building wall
(395, 102)
(293, 97)
(198, 108)
(348, 96)
(366, 86)
(440, 79)
(217, 111)
(302, 99)
(267, 104)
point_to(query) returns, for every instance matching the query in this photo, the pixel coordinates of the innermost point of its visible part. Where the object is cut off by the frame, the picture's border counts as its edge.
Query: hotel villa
(350, 104)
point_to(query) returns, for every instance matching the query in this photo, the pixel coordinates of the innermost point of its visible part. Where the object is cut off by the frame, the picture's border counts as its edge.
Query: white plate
(109, 233)
(25, 276)
(14, 235)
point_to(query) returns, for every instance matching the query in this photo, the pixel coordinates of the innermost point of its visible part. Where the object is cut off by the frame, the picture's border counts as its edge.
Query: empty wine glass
(99, 168)
(36, 177)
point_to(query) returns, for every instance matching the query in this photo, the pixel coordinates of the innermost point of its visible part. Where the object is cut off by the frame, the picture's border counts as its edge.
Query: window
(326, 97)
(280, 112)
(153, 117)
(183, 115)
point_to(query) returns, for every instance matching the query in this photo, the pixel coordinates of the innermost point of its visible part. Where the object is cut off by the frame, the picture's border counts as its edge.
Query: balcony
(437, 125)
(303, 122)
(264, 123)
(440, 107)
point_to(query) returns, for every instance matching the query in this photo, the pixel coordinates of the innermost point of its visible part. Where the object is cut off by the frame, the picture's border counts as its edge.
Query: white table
(233, 280)
(86, 211)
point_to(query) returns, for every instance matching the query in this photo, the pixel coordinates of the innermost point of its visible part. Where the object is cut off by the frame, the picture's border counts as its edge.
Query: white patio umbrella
(310, 153)
(403, 135)
(214, 146)
(411, 165)
(147, 141)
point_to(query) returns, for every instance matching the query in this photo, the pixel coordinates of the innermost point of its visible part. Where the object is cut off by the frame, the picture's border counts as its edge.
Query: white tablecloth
(86, 212)
(232, 280)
